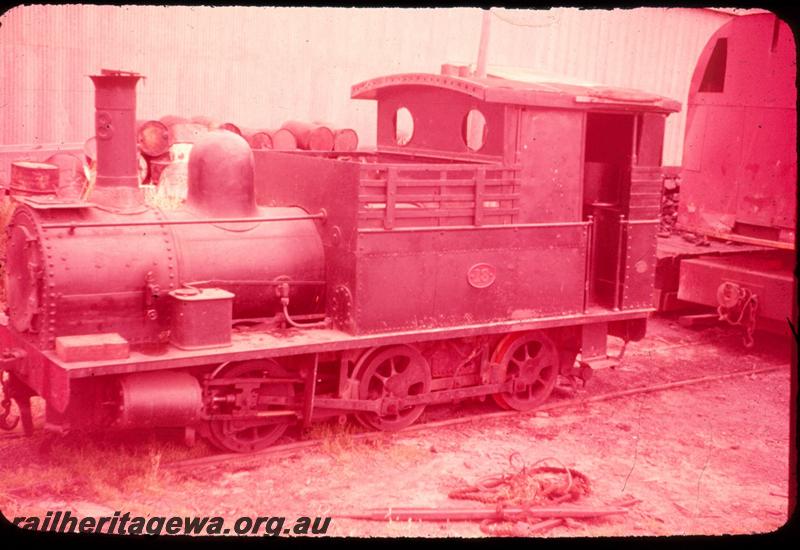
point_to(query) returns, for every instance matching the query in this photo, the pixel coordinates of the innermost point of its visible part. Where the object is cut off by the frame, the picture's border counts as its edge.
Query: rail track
(276, 450)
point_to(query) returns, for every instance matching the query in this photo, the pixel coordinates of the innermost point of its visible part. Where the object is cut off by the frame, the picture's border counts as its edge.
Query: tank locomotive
(499, 231)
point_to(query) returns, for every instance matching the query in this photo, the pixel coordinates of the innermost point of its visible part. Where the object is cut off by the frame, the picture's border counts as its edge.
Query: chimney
(117, 184)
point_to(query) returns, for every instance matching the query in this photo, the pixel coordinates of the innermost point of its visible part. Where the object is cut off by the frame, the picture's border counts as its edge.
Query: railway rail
(242, 459)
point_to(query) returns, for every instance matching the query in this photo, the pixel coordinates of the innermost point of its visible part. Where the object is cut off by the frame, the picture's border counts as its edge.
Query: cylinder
(163, 398)
(152, 137)
(34, 178)
(311, 137)
(283, 140)
(345, 139)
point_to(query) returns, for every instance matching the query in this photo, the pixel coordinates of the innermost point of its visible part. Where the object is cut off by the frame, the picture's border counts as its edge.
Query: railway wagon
(499, 231)
(738, 180)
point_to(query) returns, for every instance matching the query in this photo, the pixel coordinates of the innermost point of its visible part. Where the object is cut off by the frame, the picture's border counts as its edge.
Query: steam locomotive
(495, 237)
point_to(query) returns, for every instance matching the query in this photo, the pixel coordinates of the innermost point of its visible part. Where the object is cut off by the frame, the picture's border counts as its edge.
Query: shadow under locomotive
(479, 252)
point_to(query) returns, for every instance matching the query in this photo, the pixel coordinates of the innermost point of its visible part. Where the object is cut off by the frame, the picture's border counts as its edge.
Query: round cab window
(474, 130)
(403, 126)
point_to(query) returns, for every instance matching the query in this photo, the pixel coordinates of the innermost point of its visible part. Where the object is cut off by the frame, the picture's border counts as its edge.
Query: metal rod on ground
(472, 514)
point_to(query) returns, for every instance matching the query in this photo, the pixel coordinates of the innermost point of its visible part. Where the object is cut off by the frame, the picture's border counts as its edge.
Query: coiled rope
(528, 486)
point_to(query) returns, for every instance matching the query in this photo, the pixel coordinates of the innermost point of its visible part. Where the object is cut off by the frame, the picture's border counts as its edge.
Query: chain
(747, 307)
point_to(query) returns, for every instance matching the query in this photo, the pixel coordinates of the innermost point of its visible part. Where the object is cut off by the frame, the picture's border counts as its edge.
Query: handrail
(322, 215)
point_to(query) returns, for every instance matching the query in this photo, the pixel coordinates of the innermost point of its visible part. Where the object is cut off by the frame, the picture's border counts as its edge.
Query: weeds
(336, 438)
(107, 467)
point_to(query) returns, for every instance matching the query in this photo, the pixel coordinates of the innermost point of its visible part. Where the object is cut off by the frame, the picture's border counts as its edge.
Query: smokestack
(117, 183)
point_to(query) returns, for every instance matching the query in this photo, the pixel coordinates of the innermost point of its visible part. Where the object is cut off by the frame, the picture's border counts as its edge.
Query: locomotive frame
(450, 271)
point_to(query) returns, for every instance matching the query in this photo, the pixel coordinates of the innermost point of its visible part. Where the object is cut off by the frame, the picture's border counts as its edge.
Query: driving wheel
(531, 359)
(251, 434)
(393, 372)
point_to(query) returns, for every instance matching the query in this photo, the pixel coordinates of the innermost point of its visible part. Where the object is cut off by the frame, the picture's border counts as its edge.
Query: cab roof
(528, 92)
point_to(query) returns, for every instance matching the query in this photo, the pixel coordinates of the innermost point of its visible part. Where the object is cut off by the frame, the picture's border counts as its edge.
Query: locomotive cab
(585, 160)
(566, 177)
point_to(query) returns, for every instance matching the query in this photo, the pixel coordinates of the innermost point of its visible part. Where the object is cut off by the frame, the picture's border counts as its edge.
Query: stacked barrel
(159, 141)
(306, 136)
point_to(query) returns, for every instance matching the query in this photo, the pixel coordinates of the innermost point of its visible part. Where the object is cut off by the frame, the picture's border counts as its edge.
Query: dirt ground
(710, 458)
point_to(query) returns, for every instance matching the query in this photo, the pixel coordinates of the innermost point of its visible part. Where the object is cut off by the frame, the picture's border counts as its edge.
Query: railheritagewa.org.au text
(127, 524)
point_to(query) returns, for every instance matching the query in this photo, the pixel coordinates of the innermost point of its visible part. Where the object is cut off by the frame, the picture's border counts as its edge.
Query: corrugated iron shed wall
(258, 67)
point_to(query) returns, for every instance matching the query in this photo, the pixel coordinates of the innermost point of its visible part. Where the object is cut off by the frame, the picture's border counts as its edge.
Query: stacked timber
(669, 201)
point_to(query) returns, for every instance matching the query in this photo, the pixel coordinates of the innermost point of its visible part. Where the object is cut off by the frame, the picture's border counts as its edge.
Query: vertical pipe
(480, 69)
(617, 281)
(475, 126)
(589, 257)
